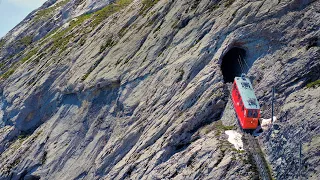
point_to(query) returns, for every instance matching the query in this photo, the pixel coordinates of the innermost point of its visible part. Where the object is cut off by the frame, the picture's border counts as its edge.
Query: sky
(14, 11)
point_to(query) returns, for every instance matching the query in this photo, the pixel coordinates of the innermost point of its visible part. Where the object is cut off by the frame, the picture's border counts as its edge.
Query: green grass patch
(22, 136)
(107, 11)
(220, 126)
(27, 40)
(314, 84)
(57, 34)
(7, 74)
(48, 12)
(146, 5)
(61, 38)
(29, 55)
(238, 151)
(2, 42)
(45, 38)
(2, 65)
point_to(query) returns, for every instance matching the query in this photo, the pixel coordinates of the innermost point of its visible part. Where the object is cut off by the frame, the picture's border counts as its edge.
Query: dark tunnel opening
(233, 64)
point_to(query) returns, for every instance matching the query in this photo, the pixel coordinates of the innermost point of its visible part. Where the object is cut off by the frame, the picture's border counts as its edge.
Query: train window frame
(250, 113)
(255, 114)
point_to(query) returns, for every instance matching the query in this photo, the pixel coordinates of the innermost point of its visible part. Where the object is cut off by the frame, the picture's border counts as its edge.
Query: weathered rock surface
(52, 14)
(298, 127)
(135, 90)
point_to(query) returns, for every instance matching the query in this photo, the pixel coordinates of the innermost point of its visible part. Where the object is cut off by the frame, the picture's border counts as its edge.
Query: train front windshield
(252, 113)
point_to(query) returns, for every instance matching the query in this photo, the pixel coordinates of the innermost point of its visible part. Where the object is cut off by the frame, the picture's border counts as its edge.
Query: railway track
(251, 144)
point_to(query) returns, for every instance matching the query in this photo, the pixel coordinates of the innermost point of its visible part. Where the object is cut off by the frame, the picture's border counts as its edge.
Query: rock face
(51, 15)
(134, 89)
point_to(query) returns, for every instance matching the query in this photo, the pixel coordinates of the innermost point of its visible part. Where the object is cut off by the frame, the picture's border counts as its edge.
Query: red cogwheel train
(245, 103)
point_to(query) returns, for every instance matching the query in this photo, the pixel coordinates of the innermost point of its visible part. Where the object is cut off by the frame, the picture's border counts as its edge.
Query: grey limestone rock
(136, 90)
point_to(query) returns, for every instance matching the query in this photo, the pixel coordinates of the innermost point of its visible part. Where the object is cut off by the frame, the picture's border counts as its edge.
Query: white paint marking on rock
(235, 139)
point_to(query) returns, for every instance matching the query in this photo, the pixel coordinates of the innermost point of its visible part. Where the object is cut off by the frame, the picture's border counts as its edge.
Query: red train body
(245, 103)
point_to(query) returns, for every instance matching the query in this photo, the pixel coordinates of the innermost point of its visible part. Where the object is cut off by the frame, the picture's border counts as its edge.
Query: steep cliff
(136, 89)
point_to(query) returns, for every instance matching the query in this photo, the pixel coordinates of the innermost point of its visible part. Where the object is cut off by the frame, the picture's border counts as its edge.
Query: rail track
(250, 143)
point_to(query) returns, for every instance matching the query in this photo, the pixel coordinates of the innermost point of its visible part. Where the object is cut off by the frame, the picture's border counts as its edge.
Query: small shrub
(157, 29)
(181, 71)
(126, 61)
(118, 62)
(92, 68)
(84, 77)
(25, 41)
(314, 84)
(15, 162)
(82, 41)
(229, 3)
(10, 56)
(123, 31)
(238, 151)
(146, 5)
(1, 65)
(175, 24)
(213, 7)
(22, 136)
(228, 127)
(44, 158)
(2, 42)
(108, 43)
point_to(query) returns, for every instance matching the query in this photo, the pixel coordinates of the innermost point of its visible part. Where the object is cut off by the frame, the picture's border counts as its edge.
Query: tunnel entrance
(233, 64)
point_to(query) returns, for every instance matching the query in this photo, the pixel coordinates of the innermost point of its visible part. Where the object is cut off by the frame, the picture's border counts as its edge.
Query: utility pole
(272, 106)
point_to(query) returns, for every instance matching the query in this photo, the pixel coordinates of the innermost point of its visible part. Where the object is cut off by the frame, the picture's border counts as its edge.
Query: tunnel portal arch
(234, 64)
